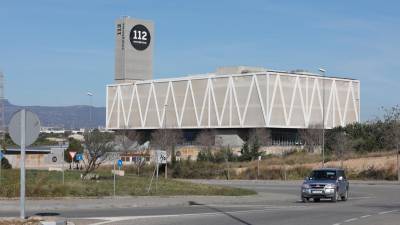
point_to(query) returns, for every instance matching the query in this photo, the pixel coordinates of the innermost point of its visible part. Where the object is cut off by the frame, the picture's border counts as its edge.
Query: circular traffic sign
(32, 127)
(140, 37)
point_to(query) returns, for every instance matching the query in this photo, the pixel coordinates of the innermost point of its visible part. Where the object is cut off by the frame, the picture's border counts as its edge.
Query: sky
(53, 51)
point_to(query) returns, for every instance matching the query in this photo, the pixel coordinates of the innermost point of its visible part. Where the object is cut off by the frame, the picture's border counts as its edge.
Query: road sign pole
(24, 128)
(114, 178)
(22, 176)
(157, 173)
(1, 159)
(63, 161)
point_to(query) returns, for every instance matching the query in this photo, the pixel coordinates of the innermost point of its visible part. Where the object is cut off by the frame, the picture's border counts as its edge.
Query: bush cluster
(378, 135)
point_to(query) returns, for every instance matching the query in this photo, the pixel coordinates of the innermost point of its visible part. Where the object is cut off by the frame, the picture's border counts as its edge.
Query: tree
(392, 121)
(167, 140)
(311, 137)
(245, 152)
(254, 142)
(257, 137)
(73, 146)
(98, 145)
(340, 143)
(127, 140)
(5, 164)
(206, 139)
(260, 135)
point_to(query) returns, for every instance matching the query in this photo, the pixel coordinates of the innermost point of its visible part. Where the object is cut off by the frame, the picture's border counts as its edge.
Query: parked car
(328, 183)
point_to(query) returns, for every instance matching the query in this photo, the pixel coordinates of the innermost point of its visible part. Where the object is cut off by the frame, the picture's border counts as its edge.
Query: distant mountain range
(68, 117)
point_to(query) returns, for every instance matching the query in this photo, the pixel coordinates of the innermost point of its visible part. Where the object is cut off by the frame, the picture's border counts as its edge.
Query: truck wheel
(335, 197)
(305, 200)
(316, 199)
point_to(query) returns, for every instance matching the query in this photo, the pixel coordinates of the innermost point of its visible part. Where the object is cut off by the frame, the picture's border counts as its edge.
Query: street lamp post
(323, 71)
(165, 138)
(90, 94)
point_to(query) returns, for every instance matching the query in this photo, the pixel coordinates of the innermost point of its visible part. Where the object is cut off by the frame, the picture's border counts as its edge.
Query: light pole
(323, 71)
(165, 138)
(90, 94)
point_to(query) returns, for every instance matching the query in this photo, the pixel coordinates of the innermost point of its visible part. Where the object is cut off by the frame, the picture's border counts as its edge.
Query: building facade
(262, 99)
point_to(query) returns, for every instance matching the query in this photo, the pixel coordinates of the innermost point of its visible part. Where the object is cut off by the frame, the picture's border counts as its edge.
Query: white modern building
(266, 98)
(229, 100)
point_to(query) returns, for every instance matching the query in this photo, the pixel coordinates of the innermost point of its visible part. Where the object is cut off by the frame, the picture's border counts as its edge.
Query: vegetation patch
(49, 184)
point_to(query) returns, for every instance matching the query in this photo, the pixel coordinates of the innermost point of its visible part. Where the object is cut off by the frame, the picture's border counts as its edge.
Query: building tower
(134, 41)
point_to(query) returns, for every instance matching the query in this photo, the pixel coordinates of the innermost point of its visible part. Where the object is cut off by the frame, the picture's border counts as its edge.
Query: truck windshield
(323, 175)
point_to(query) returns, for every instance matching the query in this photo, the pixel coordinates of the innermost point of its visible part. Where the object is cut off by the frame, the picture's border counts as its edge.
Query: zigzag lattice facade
(267, 99)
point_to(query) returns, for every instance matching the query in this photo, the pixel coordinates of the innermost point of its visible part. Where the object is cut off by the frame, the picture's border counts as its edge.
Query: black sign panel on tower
(140, 37)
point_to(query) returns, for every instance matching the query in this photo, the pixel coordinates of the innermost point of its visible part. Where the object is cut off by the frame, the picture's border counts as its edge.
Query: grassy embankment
(49, 184)
(371, 166)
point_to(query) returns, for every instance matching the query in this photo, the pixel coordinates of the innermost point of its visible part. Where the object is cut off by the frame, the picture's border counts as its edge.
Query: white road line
(252, 206)
(350, 220)
(336, 224)
(365, 197)
(122, 218)
(386, 212)
(365, 216)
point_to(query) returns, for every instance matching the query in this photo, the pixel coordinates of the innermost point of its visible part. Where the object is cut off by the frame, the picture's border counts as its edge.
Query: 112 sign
(140, 37)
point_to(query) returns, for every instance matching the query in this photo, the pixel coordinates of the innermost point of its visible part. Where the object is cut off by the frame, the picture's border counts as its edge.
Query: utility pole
(165, 140)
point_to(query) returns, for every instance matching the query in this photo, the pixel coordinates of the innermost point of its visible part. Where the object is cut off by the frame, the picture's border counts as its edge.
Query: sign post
(24, 129)
(119, 164)
(72, 154)
(1, 159)
(160, 158)
(258, 166)
(79, 157)
(63, 161)
(114, 180)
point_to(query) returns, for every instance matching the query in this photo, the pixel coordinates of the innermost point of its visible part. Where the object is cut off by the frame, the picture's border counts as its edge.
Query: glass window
(323, 175)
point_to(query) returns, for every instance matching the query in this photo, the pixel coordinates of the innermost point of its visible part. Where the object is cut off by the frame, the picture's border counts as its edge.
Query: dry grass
(19, 222)
(376, 165)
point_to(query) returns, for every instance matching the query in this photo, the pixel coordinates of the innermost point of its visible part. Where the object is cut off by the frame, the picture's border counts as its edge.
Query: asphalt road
(276, 203)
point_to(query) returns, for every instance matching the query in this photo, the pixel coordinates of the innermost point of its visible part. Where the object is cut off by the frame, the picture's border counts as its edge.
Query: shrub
(5, 164)
(378, 174)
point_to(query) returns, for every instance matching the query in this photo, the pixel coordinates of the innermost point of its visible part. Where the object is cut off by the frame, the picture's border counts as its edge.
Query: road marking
(350, 220)
(336, 224)
(386, 212)
(365, 197)
(365, 216)
(122, 218)
(255, 205)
